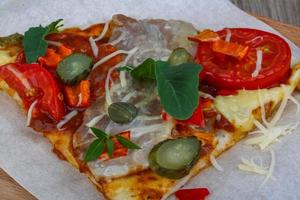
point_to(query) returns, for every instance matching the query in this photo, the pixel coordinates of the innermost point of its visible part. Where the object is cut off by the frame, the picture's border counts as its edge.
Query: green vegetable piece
(74, 68)
(99, 133)
(174, 158)
(10, 40)
(110, 147)
(178, 88)
(122, 112)
(146, 70)
(94, 151)
(34, 42)
(180, 56)
(127, 143)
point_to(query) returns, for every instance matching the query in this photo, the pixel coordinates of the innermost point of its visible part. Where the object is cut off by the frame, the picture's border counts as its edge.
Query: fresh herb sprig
(177, 84)
(34, 42)
(103, 142)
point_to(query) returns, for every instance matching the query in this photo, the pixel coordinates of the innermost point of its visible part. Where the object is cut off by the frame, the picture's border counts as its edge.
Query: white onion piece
(66, 119)
(29, 114)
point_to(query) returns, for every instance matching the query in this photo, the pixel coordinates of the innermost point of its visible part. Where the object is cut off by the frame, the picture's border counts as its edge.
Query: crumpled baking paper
(26, 156)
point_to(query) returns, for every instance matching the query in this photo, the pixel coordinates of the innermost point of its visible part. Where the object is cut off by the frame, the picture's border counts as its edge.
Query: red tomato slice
(33, 82)
(231, 73)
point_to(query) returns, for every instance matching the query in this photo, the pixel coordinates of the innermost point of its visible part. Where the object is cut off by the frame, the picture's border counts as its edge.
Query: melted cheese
(250, 166)
(66, 119)
(6, 58)
(215, 163)
(29, 114)
(238, 108)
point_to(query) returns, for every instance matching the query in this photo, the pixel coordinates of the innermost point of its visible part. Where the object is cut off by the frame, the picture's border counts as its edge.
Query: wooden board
(10, 189)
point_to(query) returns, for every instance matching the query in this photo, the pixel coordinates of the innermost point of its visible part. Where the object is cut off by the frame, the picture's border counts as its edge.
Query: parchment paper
(27, 157)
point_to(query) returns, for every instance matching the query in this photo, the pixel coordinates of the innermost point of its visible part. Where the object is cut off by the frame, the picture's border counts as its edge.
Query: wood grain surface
(11, 190)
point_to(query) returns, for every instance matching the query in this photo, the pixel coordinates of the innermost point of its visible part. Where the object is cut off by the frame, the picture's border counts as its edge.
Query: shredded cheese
(79, 99)
(104, 31)
(251, 166)
(94, 121)
(259, 58)
(107, 90)
(66, 119)
(271, 168)
(20, 76)
(93, 41)
(228, 35)
(54, 43)
(205, 95)
(119, 39)
(215, 163)
(94, 46)
(108, 57)
(29, 114)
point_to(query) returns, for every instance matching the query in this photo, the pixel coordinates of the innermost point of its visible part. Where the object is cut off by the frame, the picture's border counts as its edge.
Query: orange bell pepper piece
(53, 57)
(205, 36)
(79, 95)
(119, 149)
(230, 49)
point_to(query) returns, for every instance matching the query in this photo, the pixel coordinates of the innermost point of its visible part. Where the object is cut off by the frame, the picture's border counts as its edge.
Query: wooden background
(287, 11)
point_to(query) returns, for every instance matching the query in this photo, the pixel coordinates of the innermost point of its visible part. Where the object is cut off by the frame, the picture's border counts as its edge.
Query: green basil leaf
(34, 42)
(94, 151)
(110, 147)
(146, 70)
(100, 134)
(178, 88)
(127, 143)
(54, 26)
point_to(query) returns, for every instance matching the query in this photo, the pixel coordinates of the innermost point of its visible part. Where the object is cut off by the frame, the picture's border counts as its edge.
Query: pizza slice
(141, 106)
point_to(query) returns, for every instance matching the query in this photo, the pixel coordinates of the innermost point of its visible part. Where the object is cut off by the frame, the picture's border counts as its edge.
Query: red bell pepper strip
(53, 57)
(33, 82)
(230, 49)
(205, 36)
(226, 92)
(79, 95)
(119, 149)
(192, 194)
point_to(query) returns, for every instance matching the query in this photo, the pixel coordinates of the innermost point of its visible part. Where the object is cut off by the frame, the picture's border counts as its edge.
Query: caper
(122, 112)
(179, 56)
(11, 39)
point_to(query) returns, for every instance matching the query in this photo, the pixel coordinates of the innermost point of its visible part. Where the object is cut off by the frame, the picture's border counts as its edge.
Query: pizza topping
(74, 68)
(205, 36)
(229, 65)
(53, 57)
(251, 166)
(176, 85)
(66, 119)
(259, 56)
(174, 158)
(29, 114)
(10, 40)
(180, 56)
(228, 35)
(215, 163)
(122, 112)
(230, 49)
(33, 82)
(106, 141)
(192, 194)
(34, 42)
(79, 95)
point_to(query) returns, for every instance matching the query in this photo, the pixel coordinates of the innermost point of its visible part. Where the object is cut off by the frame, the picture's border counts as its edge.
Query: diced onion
(259, 55)
(66, 119)
(29, 114)
(215, 163)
